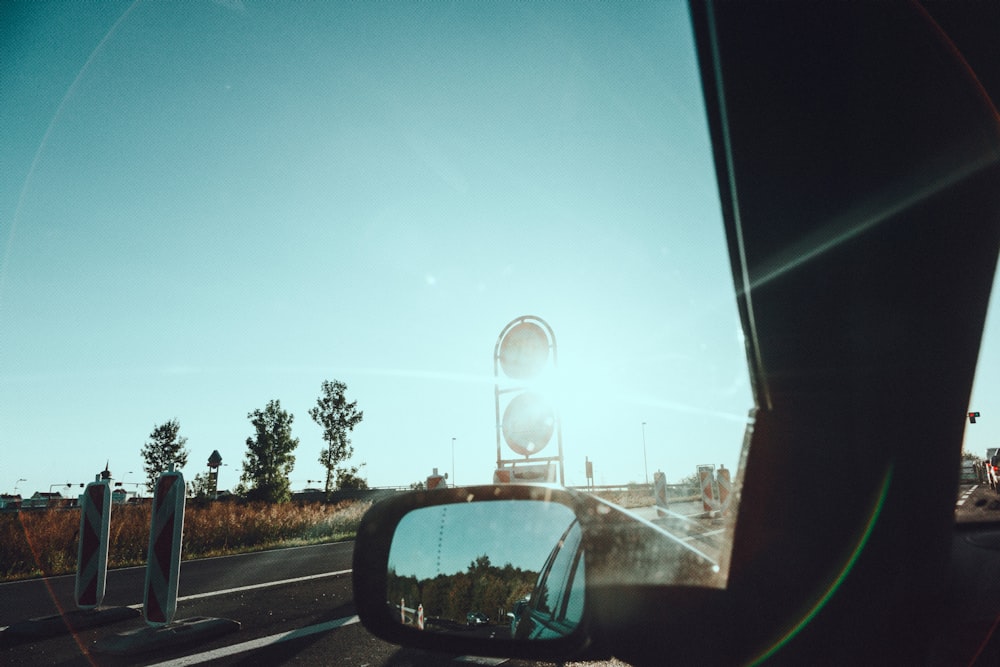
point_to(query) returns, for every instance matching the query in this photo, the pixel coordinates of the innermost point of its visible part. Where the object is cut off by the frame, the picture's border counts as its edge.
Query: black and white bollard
(92, 554)
(159, 602)
(163, 564)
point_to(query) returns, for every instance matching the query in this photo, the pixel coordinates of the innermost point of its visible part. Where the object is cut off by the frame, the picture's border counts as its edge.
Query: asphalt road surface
(293, 605)
(977, 503)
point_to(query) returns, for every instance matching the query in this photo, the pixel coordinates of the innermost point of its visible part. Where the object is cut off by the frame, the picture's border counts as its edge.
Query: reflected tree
(482, 587)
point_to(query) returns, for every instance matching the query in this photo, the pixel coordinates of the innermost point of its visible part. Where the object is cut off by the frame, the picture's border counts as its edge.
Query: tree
(691, 480)
(164, 447)
(337, 418)
(348, 478)
(199, 487)
(269, 458)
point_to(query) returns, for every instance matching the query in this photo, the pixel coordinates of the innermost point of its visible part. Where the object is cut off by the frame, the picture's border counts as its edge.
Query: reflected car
(474, 618)
(555, 606)
(515, 614)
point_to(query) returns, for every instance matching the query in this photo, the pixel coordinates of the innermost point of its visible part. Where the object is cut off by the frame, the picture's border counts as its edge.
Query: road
(686, 521)
(293, 605)
(977, 502)
(268, 593)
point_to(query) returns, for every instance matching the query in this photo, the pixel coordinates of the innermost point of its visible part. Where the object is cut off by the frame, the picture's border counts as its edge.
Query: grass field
(45, 542)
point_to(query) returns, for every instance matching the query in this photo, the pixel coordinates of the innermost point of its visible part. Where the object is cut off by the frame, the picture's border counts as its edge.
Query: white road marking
(708, 534)
(965, 496)
(212, 593)
(251, 587)
(18, 582)
(255, 644)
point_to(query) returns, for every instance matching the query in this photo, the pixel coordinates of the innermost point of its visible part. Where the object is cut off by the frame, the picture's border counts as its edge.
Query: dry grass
(36, 542)
(45, 542)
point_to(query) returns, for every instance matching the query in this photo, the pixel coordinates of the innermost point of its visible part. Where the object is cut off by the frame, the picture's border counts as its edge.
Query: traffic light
(527, 420)
(972, 417)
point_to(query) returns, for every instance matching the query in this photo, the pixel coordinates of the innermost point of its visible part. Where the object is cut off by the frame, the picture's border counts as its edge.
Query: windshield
(211, 209)
(217, 205)
(979, 470)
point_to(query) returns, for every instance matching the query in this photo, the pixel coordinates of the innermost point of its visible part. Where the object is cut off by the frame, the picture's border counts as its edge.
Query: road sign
(163, 563)
(92, 554)
(435, 480)
(541, 473)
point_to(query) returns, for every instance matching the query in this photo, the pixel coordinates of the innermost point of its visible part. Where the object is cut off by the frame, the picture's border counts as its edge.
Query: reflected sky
(445, 539)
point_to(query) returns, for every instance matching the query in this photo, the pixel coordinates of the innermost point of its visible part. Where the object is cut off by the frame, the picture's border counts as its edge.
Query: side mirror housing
(431, 568)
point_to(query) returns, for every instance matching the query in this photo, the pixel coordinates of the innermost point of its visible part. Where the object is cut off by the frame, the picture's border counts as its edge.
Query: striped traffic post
(92, 554)
(163, 564)
(420, 616)
(660, 493)
(706, 476)
(402, 610)
(725, 487)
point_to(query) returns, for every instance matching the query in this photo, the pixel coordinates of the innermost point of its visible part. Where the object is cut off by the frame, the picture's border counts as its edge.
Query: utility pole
(644, 461)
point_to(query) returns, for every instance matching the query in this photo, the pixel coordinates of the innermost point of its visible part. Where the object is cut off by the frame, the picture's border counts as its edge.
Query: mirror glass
(499, 569)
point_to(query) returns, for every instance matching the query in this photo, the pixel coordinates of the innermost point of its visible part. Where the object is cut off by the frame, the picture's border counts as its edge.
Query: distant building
(8, 501)
(45, 499)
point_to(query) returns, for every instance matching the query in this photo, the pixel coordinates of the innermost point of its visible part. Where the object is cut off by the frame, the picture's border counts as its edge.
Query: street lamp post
(453, 461)
(644, 461)
(17, 483)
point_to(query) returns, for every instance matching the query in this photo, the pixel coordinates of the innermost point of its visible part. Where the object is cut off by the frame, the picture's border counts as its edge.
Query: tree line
(483, 587)
(269, 457)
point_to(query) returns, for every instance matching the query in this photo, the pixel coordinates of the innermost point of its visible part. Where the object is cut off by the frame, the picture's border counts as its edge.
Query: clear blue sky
(208, 205)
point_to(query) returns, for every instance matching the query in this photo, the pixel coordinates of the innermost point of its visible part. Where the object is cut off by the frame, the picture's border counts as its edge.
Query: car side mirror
(511, 570)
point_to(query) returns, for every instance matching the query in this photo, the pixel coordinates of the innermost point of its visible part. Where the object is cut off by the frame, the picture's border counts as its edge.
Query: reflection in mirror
(497, 569)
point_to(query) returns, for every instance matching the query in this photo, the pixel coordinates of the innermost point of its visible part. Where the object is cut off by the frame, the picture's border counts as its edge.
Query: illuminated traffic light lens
(524, 351)
(528, 423)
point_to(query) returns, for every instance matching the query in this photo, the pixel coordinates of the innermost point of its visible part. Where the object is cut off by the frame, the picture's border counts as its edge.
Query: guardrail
(675, 490)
